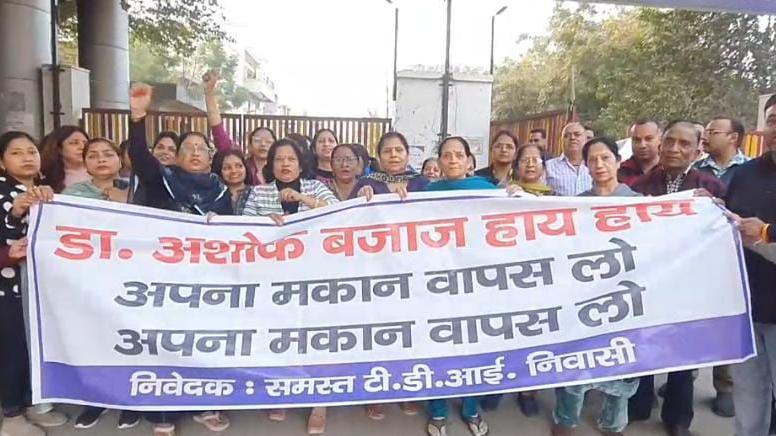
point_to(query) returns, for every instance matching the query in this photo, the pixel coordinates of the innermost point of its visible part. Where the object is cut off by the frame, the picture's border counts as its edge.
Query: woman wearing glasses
(347, 168)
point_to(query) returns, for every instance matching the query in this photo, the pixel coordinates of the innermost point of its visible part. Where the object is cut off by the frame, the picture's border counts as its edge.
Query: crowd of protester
(275, 177)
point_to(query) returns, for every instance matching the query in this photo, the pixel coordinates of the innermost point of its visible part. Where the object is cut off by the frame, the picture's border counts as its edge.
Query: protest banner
(440, 295)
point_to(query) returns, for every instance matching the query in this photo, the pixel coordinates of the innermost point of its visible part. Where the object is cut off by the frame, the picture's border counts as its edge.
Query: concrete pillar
(103, 48)
(24, 47)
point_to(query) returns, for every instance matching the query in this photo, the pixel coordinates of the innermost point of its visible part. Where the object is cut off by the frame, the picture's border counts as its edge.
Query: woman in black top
(187, 187)
(18, 192)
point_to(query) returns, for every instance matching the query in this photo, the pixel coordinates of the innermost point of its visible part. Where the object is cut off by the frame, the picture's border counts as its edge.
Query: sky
(335, 57)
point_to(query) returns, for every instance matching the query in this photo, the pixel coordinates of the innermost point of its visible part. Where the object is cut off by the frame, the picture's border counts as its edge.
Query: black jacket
(752, 193)
(150, 175)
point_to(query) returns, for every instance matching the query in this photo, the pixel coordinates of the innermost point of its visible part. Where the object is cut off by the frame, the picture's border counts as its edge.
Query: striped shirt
(264, 200)
(567, 180)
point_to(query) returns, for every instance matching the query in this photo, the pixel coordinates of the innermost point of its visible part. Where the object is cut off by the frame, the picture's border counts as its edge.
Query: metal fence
(552, 122)
(114, 124)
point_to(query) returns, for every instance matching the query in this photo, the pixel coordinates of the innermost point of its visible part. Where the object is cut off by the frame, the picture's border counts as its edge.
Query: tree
(150, 66)
(169, 40)
(168, 27)
(642, 63)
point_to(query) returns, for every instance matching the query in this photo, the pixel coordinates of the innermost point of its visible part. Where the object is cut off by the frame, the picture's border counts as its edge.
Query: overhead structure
(760, 7)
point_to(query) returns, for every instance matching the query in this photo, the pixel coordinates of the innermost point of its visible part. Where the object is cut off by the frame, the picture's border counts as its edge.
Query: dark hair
(690, 124)
(521, 151)
(52, 163)
(465, 143)
(167, 134)
(124, 148)
(610, 143)
(587, 127)
(267, 171)
(426, 162)
(392, 135)
(8, 137)
(361, 152)
(374, 164)
(301, 140)
(314, 142)
(93, 141)
(256, 130)
(187, 135)
(541, 131)
(218, 164)
(769, 103)
(643, 121)
(737, 126)
(504, 133)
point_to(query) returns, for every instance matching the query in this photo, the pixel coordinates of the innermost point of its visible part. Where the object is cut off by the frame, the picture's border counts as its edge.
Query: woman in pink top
(62, 160)
(259, 140)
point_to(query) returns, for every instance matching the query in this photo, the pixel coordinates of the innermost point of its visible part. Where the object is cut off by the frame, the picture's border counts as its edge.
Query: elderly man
(752, 194)
(567, 174)
(674, 173)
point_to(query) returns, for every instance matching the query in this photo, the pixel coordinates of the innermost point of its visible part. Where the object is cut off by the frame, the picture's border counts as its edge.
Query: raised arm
(145, 165)
(220, 137)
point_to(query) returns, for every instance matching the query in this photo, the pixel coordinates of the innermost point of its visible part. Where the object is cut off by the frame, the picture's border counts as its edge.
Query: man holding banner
(752, 195)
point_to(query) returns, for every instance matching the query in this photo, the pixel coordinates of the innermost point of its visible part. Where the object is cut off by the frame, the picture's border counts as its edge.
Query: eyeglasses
(344, 160)
(191, 149)
(717, 132)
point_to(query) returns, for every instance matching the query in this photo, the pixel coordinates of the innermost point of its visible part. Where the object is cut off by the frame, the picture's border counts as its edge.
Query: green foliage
(148, 65)
(169, 40)
(642, 62)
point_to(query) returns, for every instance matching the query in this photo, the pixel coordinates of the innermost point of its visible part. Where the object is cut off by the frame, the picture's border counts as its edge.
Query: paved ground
(351, 421)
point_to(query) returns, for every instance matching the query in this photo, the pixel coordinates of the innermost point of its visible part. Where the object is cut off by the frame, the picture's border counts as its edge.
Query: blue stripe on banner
(765, 7)
(656, 349)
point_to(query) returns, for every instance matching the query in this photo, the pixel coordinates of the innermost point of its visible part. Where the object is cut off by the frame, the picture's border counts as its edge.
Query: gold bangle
(764, 233)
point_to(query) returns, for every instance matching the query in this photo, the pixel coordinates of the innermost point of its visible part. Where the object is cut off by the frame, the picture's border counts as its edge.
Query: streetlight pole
(446, 76)
(493, 38)
(395, 47)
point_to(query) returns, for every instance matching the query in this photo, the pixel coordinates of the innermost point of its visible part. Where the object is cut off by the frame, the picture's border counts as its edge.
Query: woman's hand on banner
(367, 192)
(514, 190)
(402, 192)
(36, 194)
(18, 250)
(277, 218)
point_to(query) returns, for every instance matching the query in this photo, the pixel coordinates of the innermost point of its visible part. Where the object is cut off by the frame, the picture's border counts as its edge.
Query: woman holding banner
(530, 170)
(187, 187)
(19, 190)
(103, 162)
(454, 156)
(287, 192)
(394, 176)
(602, 158)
